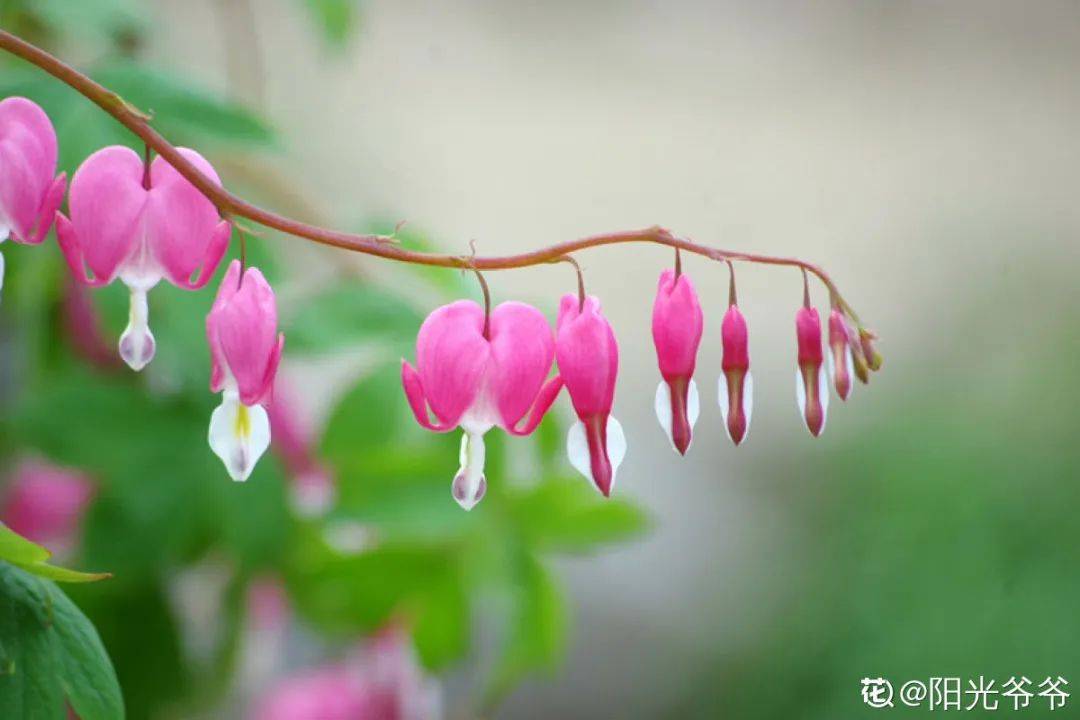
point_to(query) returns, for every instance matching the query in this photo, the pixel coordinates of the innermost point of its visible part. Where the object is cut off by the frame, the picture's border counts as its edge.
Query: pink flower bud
(841, 364)
(873, 357)
(245, 349)
(29, 194)
(588, 357)
(476, 382)
(811, 389)
(737, 385)
(45, 503)
(676, 327)
(141, 228)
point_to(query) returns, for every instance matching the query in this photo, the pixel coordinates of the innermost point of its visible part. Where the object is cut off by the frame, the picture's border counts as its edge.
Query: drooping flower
(841, 362)
(45, 503)
(29, 194)
(245, 349)
(141, 227)
(736, 387)
(588, 358)
(811, 387)
(676, 327)
(476, 374)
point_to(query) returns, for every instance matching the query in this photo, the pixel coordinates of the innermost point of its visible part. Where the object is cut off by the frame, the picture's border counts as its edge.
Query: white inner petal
(137, 344)
(470, 484)
(823, 393)
(663, 409)
(723, 400)
(1, 263)
(239, 435)
(800, 392)
(577, 448)
(693, 404)
(748, 401)
(850, 371)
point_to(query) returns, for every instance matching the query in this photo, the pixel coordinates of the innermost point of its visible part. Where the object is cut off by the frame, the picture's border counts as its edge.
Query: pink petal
(522, 351)
(106, 207)
(451, 358)
(676, 326)
(543, 402)
(247, 337)
(50, 204)
(414, 393)
(182, 225)
(227, 289)
(27, 165)
(588, 356)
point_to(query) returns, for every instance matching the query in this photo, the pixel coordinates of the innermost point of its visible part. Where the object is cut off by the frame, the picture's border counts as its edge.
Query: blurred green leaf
(78, 19)
(365, 419)
(184, 113)
(535, 639)
(566, 514)
(350, 314)
(50, 652)
(335, 18)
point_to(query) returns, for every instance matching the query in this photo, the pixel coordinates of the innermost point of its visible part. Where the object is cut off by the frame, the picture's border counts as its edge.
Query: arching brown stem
(231, 205)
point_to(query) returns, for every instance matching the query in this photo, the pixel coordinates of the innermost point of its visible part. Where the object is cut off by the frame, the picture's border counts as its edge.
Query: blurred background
(924, 153)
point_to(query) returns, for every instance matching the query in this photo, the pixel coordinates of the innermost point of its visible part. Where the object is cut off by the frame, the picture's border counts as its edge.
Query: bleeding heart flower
(676, 327)
(841, 363)
(588, 358)
(245, 349)
(477, 374)
(29, 194)
(737, 386)
(140, 227)
(811, 388)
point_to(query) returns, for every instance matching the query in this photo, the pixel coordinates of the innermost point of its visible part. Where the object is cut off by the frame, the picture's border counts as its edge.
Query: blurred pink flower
(46, 502)
(312, 486)
(381, 681)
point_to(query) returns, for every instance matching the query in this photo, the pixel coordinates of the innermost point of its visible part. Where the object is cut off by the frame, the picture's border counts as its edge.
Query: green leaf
(537, 634)
(350, 314)
(102, 17)
(567, 515)
(334, 17)
(50, 652)
(31, 557)
(366, 417)
(15, 548)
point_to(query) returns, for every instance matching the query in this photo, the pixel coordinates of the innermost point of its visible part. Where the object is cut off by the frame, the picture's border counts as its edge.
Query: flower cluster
(141, 221)
(478, 370)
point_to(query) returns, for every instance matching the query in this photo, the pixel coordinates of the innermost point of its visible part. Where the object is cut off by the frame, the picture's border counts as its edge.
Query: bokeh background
(925, 153)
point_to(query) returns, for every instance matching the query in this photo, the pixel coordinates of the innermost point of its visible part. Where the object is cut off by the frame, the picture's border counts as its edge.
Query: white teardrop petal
(748, 401)
(724, 401)
(823, 393)
(800, 393)
(470, 484)
(616, 445)
(577, 450)
(849, 361)
(663, 409)
(1, 261)
(239, 435)
(693, 404)
(137, 344)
